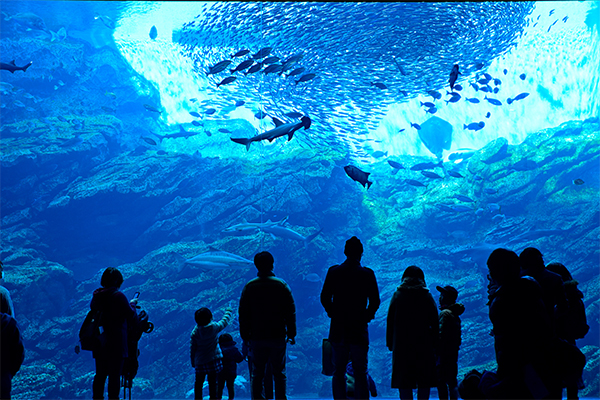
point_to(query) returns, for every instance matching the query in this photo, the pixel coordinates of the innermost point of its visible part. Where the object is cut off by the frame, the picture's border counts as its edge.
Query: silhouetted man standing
(267, 320)
(351, 298)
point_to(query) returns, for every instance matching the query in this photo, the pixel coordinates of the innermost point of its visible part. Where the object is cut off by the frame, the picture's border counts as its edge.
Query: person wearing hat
(412, 335)
(231, 357)
(350, 297)
(267, 323)
(450, 339)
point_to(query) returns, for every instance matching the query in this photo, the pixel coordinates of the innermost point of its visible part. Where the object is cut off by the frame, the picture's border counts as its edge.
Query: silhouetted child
(231, 357)
(205, 354)
(450, 340)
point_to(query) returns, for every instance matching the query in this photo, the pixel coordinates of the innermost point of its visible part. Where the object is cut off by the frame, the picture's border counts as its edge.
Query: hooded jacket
(204, 346)
(412, 334)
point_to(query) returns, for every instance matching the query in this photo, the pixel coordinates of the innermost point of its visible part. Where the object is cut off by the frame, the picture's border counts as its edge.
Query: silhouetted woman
(116, 313)
(412, 335)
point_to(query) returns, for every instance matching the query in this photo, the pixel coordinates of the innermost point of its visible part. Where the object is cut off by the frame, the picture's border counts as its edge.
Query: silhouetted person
(553, 295)
(12, 353)
(205, 353)
(268, 379)
(521, 330)
(450, 340)
(116, 313)
(350, 297)
(412, 335)
(571, 323)
(231, 358)
(267, 322)
(6, 303)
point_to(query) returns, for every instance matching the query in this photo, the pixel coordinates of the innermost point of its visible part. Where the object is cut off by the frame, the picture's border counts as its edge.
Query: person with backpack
(571, 322)
(115, 315)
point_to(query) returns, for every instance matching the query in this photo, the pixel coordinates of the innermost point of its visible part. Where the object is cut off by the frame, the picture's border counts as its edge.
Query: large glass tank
(118, 150)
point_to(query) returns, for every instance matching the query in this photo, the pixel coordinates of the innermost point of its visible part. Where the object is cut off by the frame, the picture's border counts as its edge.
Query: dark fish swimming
(153, 32)
(239, 103)
(280, 129)
(255, 68)
(297, 71)
(273, 68)
(495, 102)
(520, 96)
(358, 175)
(148, 140)
(12, 67)
(210, 111)
(293, 114)
(379, 85)
(427, 104)
(226, 81)
(395, 164)
(305, 78)
(474, 126)
(453, 76)
(194, 114)
(416, 126)
(430, 175)
(435, 94)
(240, 53)
(242, 66)
(219, 67)
(578, 182)
(472, 100)
(522, 76)
(271, 60)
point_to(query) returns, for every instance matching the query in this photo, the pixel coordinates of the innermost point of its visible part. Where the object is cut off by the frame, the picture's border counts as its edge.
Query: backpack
(91, 333)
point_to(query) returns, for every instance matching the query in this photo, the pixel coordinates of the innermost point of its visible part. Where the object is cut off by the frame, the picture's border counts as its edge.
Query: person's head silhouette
(264, 261)
(354, 248)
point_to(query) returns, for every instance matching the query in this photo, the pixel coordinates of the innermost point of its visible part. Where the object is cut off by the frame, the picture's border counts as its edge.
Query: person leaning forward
(267, 316)
(350, 297)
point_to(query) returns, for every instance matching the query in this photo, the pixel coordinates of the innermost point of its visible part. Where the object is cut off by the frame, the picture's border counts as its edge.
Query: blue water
(116, 151)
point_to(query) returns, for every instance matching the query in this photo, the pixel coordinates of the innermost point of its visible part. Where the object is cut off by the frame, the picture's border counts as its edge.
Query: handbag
(327, 359)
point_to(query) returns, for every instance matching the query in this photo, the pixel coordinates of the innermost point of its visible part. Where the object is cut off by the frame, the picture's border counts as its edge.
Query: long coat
(412, 335)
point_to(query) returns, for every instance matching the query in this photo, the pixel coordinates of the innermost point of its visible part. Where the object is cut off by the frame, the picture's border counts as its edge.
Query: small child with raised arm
(206, 355)
(231, 357)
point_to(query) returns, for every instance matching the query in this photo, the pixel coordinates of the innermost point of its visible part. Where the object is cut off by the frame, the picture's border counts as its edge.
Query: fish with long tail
(280, 129)
(12, 67)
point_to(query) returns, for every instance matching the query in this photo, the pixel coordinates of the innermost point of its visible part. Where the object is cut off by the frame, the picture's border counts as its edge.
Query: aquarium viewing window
(176, 140)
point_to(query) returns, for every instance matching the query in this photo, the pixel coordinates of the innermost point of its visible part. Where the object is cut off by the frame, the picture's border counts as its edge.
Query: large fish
(280, 129)
(215, 259)
(358, 175)
(287, 233)
(12, 67)
(250, 227)
(181, 134)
